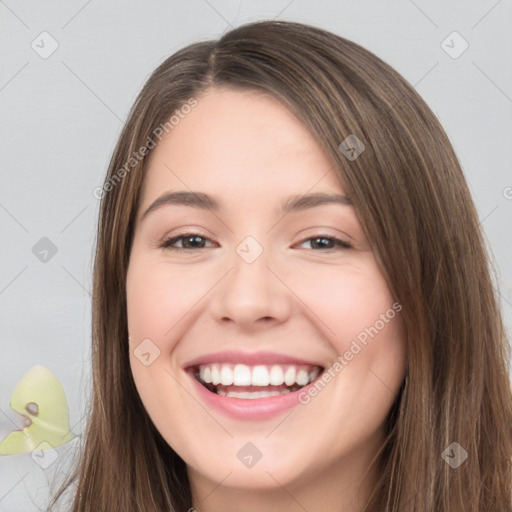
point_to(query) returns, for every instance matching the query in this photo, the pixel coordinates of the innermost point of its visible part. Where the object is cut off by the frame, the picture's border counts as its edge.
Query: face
(275, 302)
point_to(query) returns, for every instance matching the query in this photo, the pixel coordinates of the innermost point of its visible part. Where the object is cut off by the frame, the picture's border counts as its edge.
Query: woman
(242, 363)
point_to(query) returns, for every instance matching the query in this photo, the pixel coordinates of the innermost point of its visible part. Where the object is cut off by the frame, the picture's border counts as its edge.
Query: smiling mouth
(251, 382)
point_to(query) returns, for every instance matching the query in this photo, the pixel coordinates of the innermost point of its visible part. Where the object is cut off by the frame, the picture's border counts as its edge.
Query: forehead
(241, 142)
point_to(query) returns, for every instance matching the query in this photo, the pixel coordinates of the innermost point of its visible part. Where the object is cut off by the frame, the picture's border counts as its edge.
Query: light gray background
(61, 117)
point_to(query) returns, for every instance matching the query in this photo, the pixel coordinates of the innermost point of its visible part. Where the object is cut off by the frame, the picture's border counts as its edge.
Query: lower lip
(257, 409)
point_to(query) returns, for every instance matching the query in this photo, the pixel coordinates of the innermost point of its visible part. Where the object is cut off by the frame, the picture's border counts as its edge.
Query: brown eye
(326, 243)
(189, 241)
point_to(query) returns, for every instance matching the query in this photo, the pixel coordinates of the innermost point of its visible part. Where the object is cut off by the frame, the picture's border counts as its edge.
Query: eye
(326, 243)
(189, 241)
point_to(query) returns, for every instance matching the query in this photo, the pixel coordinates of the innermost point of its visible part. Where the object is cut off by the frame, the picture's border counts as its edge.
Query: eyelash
(167, 244)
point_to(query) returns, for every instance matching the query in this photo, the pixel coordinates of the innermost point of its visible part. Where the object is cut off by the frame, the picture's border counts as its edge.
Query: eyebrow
(206, 202)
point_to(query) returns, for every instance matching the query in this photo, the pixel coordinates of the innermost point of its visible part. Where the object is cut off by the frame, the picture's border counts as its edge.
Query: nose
(252, 295)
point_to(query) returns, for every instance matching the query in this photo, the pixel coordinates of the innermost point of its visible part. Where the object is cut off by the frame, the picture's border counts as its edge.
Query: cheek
(347, 300)
(158, 300)
(358, 316)
(158, 306)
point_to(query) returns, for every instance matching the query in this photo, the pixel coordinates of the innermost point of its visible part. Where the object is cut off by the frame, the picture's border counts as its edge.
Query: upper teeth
(260, 375)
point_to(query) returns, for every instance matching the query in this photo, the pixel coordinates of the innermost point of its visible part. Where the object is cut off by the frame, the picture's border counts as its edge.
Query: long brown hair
(414, 205)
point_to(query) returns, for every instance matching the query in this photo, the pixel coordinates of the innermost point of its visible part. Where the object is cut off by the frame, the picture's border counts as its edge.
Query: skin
(297, 298)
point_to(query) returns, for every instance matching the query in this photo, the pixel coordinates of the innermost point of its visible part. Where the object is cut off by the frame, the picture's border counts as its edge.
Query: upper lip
(248, 358)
